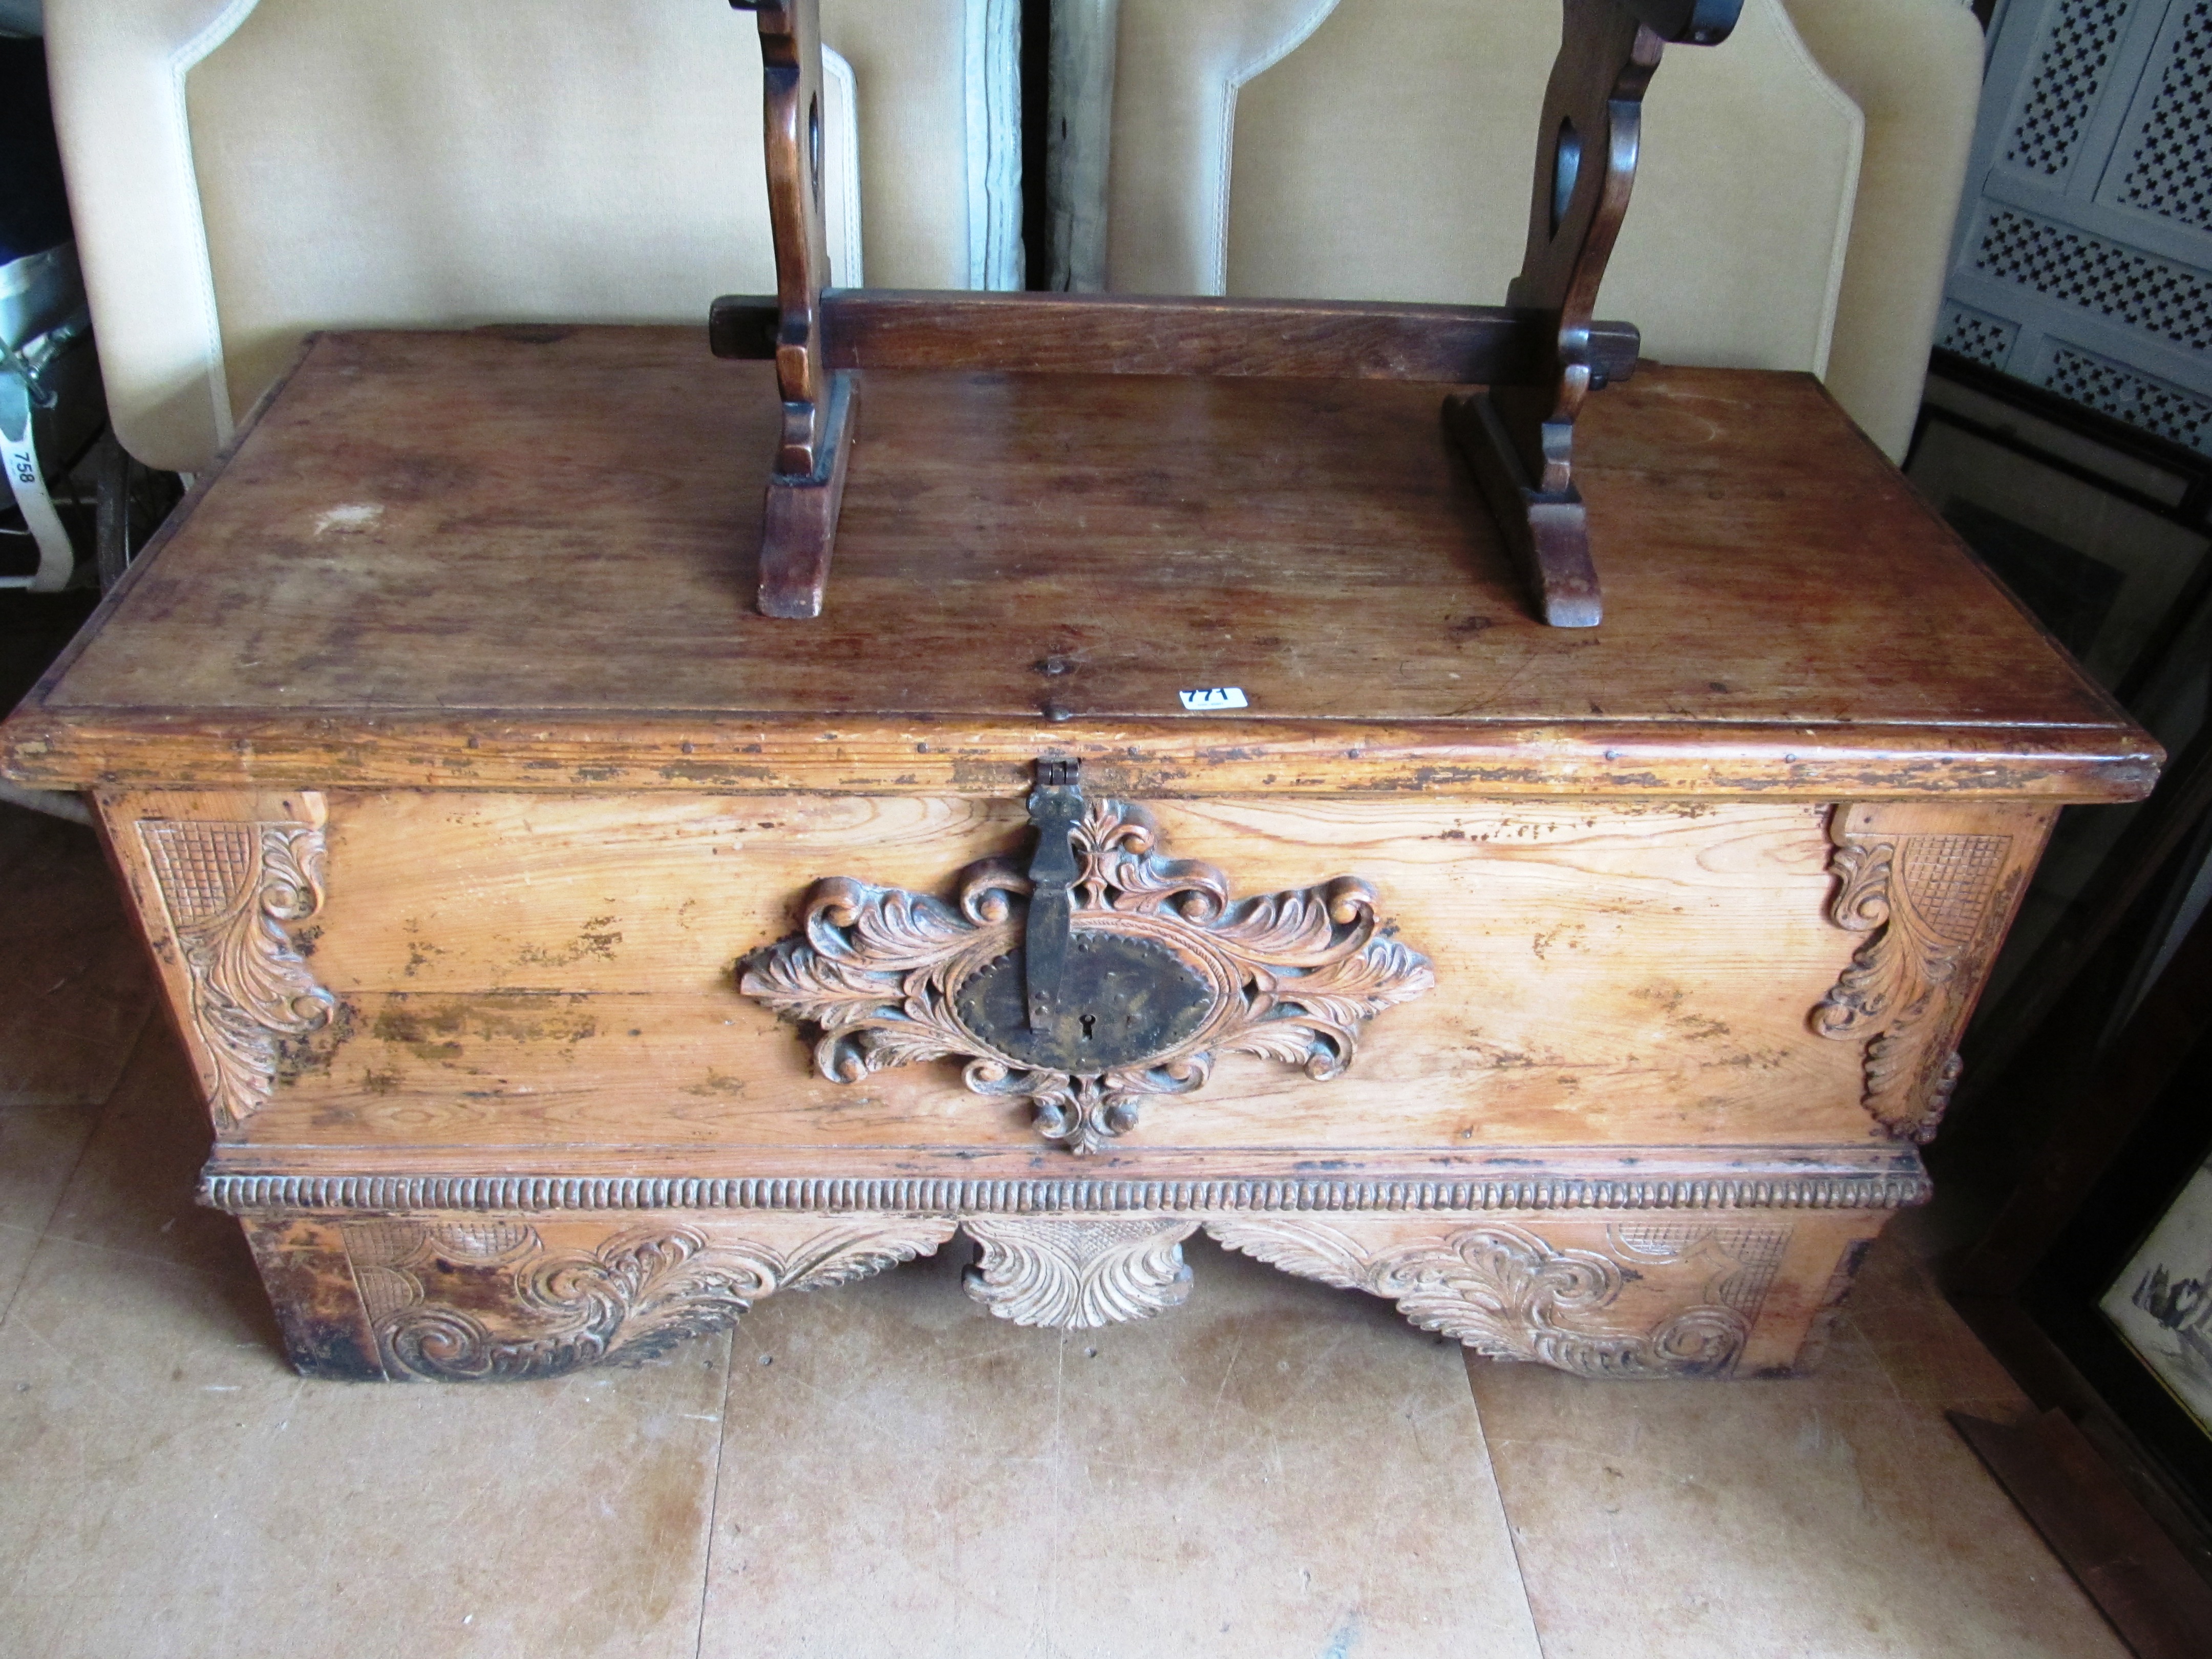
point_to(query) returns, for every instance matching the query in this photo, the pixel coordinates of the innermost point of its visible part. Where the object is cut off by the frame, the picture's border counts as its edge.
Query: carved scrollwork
(1163, 974)
(1924, 902)
(233, 891)
(1078, 1273)
(1506, 1292)
(468, 1304)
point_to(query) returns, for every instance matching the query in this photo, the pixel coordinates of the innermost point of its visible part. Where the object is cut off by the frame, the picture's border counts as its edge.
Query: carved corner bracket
(234, 892)
(1104, 973)
(1926, 903)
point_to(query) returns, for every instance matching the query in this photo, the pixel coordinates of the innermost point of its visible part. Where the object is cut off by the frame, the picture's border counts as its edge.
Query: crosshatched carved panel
(2084, 260)
(2141, 400)
(1950, 878)
(2169, 170)
(203, 868)
(1740, 1258)
(2165, 301)
(1988, 340)
(2070, 70)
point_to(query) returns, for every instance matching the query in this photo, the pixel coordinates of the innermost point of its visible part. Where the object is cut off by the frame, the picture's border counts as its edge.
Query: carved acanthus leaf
(232, 891)
(1313, 1020)
(870, 972)
(1924, 902)
(630, 1299)
(1291, 976)
(1503, 1292)
(1076, 1273)
(1114, 843)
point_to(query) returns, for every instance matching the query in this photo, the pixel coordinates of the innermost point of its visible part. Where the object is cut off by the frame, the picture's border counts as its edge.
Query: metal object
(1103, 974)
(1055, 808)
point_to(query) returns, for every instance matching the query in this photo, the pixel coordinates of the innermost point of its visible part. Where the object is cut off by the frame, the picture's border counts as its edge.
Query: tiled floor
(1275, 1469)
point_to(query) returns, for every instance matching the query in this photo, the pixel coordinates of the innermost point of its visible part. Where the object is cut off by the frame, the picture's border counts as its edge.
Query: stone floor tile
(1832, 1516)
(39, 1146)
(136, 1188)
(1273, 1468)
(174, 1491)
(75, 987)
(1930, 1354)
(1849, 1369)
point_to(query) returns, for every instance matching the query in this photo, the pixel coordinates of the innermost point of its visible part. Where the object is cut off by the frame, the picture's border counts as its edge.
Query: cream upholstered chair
(241, 172)
(1792, 210)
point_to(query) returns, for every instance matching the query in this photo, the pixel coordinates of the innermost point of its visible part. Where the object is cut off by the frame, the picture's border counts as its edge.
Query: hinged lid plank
(430, 540)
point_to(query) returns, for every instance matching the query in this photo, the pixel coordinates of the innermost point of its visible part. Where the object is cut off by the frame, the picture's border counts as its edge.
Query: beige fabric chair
(1793, 208)
(241, 173)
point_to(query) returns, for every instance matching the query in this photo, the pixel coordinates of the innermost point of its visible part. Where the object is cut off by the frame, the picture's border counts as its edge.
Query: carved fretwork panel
(1933, 903)
(476, 1300)
(1153, 972)
(234, 893)
(1074, 1272)
(1640, 1299)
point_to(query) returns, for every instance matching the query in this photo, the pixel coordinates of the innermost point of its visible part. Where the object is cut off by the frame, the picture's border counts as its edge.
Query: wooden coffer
(572, 958)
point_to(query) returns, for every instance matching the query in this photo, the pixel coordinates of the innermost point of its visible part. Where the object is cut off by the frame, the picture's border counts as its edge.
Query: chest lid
(522, 558)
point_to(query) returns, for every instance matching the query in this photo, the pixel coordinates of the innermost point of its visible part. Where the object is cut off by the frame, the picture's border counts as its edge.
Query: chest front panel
(515, 971)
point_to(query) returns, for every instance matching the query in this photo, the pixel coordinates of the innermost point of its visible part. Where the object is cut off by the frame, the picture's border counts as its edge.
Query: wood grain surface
(539, 970)
(512, 558)
(1158, 334)
(460, 1297)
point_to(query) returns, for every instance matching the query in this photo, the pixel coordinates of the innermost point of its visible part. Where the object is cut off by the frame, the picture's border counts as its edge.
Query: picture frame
(2102, 529)
(2108, 1292)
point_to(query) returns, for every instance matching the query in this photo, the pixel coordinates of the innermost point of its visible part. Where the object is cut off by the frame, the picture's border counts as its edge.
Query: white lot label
(1213, 696)
(19, 454)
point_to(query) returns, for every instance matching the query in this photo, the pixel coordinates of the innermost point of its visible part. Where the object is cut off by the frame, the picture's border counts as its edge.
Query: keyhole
(1566, 166)
(1089, 1025)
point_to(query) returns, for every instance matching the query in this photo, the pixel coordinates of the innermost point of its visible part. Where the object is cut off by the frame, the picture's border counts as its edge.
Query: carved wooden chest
(1174, 822)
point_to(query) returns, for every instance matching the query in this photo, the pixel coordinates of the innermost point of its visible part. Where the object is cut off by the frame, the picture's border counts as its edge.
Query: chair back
(1383, 149)
(243, 172)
